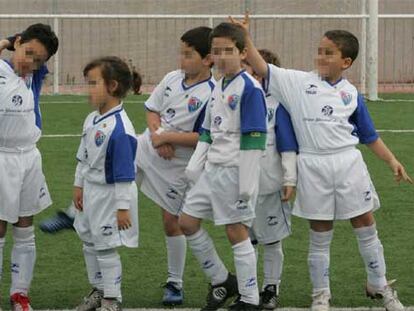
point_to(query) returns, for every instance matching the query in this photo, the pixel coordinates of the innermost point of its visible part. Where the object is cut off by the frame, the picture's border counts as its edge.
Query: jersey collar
(185, 87)
(231, 80)
(117, 109)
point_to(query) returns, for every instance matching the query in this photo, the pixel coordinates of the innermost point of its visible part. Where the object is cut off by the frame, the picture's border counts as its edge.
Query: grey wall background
(152, 45)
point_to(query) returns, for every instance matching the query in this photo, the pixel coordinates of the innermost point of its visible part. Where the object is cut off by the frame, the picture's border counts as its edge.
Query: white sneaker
(320, 301)
(388, 295)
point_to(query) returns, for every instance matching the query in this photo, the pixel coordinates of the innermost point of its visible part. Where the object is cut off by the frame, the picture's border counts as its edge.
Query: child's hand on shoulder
(124, 219)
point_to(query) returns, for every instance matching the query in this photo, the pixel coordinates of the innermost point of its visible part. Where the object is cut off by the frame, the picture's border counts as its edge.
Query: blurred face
(97, 89)
(330, 63)
(190, 61)
(226, 56)
(29, 56)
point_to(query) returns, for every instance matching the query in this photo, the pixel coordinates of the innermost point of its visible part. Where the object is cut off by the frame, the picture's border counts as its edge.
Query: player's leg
(321, 233)
(372, 253)
(223, 284)
(62, 220)
(110, 266)
(176, 252)
(273, 258)
(93, 300)
(246, 267)
(23, 259)
(3, 230)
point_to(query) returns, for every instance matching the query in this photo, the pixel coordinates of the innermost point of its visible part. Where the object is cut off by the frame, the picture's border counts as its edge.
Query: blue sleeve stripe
(285, 135)
(364, 128)
(120, 155)
(37, 81)
(200, 119)
(252, 108)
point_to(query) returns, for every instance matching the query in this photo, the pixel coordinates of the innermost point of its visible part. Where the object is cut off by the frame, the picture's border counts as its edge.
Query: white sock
(176, 251)
(272, 263)
(203, 249)
(92, 266)
(71, 210)
(246, 271)
(111, 268)
(372, 253)
(318, 260)
(22, 259)
(2, 242)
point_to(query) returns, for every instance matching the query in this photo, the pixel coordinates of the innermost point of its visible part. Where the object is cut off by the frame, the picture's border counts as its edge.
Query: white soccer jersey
(326, 118)
(108, 147)
(181, 107)
(280, 138)
(20, 119)
(236, 109)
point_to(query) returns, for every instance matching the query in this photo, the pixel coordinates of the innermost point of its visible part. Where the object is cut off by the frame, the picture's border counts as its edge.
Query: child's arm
(254, 58)
(287, 145)
(385, 154)
(78, 188)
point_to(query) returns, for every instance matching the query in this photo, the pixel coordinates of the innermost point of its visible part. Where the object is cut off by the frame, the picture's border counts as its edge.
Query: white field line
(79, 135)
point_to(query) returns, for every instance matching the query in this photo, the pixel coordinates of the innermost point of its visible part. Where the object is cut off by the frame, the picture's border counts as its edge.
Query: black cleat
(241, 305)
(270, 297)
(57, 223)
(218, 294)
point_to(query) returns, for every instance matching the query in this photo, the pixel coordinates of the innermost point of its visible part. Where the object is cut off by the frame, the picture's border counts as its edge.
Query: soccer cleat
(320, 301)
(173, 295)
(387, 294)
(270, 297)
(92, 301)
(218, 294)
(57, 223)
(20, 302)
(237, 304)
(110, 305)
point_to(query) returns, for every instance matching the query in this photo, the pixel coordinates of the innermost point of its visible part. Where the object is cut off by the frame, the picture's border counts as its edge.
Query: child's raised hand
(78, 198)
(399, 172)
(124, 219)
(243, 23)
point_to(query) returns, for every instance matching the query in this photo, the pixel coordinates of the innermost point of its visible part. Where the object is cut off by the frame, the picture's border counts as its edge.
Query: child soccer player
(105, 192)
(23, 189)
(175, 112)
(276, 187)
(231, 145)
(330, 118)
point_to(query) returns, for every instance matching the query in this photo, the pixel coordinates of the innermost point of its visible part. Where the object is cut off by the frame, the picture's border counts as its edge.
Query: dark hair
(198, 38)
(112, 69)
(233, 32)
(44, 34)
(346, 42)
(136, 81)
(270, 57)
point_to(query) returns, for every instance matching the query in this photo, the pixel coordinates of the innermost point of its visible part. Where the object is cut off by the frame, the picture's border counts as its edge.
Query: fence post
(372, 50)
(56, 59)
(363, 45)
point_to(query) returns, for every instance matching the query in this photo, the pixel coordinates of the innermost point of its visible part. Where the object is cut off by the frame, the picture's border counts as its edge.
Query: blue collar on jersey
(8, 62)
(115, 110)
(335, 83)
(231, 80)
(185, 87)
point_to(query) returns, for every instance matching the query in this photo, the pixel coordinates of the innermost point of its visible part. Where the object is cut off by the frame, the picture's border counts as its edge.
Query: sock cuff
(366, 232)
(243, 248)
(23, 234)
(196, 235)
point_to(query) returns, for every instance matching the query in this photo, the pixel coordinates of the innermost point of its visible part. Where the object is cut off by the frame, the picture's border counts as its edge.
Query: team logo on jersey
(327, 110)
(233, 100)
(217, 121)
(99, 138)
(17, 100)
(170, 113)
(168, 89)
(194, 103)
(107, 230)
(346, 97)
(270, 114)
(311, 89)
